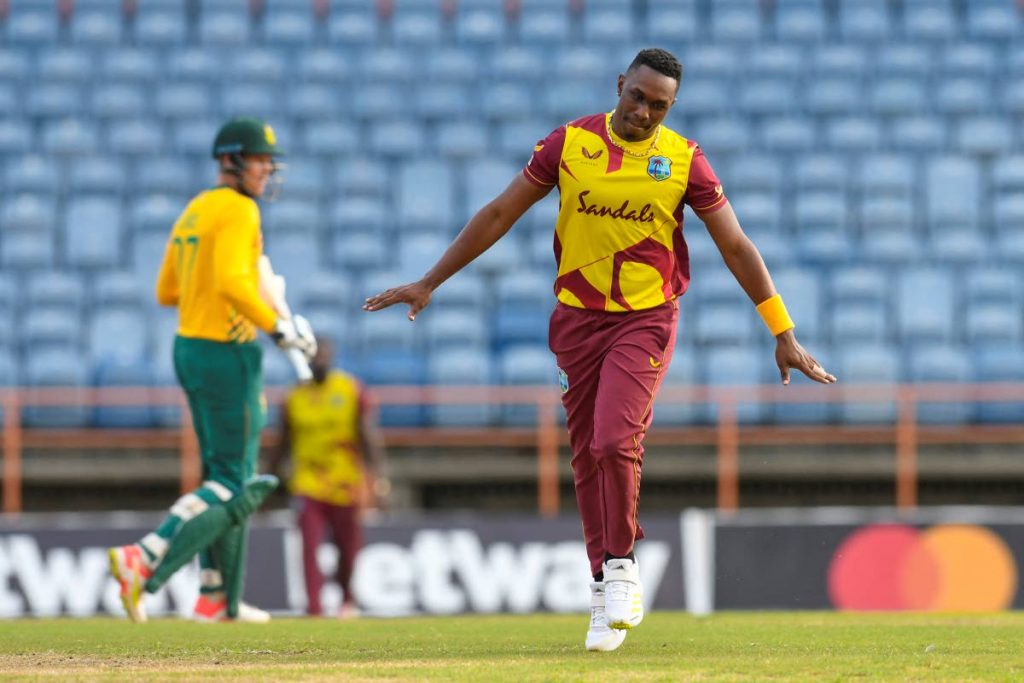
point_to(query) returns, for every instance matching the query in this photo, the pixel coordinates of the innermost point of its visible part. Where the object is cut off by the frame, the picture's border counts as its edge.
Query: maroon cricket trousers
(613, 364)
(315, 517)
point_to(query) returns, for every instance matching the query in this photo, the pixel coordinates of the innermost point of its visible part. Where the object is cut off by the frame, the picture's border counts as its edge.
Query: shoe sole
(129, 598)
(602, 645)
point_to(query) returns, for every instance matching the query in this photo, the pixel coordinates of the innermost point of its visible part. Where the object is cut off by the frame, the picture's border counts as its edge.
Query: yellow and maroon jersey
(619, 235)
(210, 272)
(324, 420)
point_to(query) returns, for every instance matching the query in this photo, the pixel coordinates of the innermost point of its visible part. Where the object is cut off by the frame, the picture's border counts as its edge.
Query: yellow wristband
(774, 314)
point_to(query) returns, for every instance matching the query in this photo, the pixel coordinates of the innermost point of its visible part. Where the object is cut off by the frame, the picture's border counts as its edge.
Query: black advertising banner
(946, 559)
(57, 565)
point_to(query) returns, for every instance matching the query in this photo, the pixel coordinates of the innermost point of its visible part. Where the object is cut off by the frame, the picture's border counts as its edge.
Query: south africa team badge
(659, 167)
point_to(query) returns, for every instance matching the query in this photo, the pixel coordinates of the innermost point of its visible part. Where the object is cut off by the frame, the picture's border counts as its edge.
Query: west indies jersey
(619, 234)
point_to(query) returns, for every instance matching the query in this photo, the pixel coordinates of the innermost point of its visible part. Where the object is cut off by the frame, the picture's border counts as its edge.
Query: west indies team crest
(659, 167)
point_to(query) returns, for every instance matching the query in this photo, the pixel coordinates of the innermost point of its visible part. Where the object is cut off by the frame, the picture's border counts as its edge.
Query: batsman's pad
(229, 552)
(202, 530)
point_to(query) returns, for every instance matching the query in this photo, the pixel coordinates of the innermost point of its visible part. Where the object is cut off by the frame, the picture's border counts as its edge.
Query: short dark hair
(662, 61)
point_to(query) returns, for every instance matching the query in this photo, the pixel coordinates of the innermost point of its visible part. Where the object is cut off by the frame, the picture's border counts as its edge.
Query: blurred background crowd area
(871, 148)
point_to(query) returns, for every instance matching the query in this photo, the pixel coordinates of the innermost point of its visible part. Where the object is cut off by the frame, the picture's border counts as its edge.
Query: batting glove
(295, 333)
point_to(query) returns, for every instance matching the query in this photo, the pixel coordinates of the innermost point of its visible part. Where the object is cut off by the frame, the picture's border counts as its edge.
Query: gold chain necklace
(611, 138)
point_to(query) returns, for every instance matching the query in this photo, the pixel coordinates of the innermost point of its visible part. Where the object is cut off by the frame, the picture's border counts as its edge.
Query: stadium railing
(727, 433)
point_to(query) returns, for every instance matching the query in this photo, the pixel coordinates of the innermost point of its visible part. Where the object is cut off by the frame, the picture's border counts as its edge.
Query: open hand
(416, 294)
(789, 354)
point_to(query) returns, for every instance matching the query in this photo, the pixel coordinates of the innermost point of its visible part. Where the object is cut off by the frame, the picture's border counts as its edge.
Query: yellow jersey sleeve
(236, 276)
(167, 280)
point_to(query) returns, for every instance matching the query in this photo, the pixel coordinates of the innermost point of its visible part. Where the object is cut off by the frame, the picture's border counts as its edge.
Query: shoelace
(619, 590)
(597, 617)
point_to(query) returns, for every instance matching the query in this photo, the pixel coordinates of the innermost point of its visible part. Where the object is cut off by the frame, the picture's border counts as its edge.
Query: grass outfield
(666, 647)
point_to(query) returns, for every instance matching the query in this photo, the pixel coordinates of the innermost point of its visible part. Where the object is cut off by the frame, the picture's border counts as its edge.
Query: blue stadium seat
(441, 101)
(119, 101)
(899, 96)
(53, 100)
(57, 368)
(961, 96)
(736, 21)
(194, 64)
(873, 364)
(854, 134)
(959, 246)
(479, 26)
(321, 65)
(800, 20)
(864, 21)
(1000, 362)
(15, 137)
(925, 306)
(513, 62)
(525, 289)
(711, 60)
(768, 97)
(506, 101)
(983, 135)
(70, 137)
(417, 253)
(27, 250)
(360, 176)
(904, 59)
(303, 179)
(416, 28)
(450, 64)
(918, 134)
(287, 28)
(821, 212)
(352, 29)
(759, 212)
(305, 102)
(887, 214)
(1008, 211)
(706, 96)
(27, 213)
(100, 175)
(753, 172)
(988, 285)
(929, 20)
(256, 65)
(739, 366)
(118, 288)
(14, 65)
(860, 283)
(139, 137)
(607, 25)
(1008, 173)
(388, 329)
(529, 365)
(382, 368)
(448, 327)
(294, 216)
(183, 100)
(118, 333)
(130, 65)
(972, 60)
(505, 256)
(887, 175)
(95, 28)
(395, 138)
(147, 253)
(31, 27)
(465, 139)
(244, 98)
(388, 65)
(517, 324)
(674, 22)
(858, 323)
(8, 369)
(825, 248)
(464, 290)
(123, 372)
(461, 366)
(421, 205)
(93, 232)
(49, 327)
(543, 25)
(294, 256)
(792, 134)
(156, 213)
(358, 251)
(64, 65)
(325, 289)
(949, 207)
(775, 60)
(223, 28)
(193, 136)
(358, 214)
(992, 20)
(329, 138)
(993, 322)
(803, 293)
(33, 173)
(160, 28)
(822, 173)
(724, 324)
(682, 372)
(830, 96)
(720, 136)
(55, 290)
(946, 364)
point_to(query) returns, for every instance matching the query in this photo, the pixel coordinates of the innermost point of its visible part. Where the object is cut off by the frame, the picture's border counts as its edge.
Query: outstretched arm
(747, 266)
(484, 229)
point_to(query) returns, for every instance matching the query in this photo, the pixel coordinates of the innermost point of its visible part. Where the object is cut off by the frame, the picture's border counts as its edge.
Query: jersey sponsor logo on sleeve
(538, 148)
(591, 155)
(563, 381)
(659, 168)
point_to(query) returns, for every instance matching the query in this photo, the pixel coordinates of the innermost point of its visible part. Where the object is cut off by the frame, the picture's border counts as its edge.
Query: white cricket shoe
(214, 608)
(131, 572)
(600, 637)
(623, 594)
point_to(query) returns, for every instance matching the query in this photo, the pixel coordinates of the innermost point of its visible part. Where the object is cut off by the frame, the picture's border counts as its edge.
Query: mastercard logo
(949, 567)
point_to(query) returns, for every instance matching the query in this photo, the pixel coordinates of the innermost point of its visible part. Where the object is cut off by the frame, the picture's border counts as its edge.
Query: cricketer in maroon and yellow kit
(622, 264)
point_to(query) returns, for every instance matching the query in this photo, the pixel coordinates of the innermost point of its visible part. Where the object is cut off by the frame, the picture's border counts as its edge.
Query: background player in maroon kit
(623, 179)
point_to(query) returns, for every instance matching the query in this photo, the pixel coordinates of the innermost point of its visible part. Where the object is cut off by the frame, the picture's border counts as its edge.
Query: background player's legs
(630, 377)
(312, 519)
(347, 533)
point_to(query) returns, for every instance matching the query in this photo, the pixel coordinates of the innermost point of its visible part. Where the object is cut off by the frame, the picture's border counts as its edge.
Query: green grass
(666, 647)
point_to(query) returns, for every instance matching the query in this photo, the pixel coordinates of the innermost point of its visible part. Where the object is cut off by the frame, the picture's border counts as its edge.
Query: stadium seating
(871, 148)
